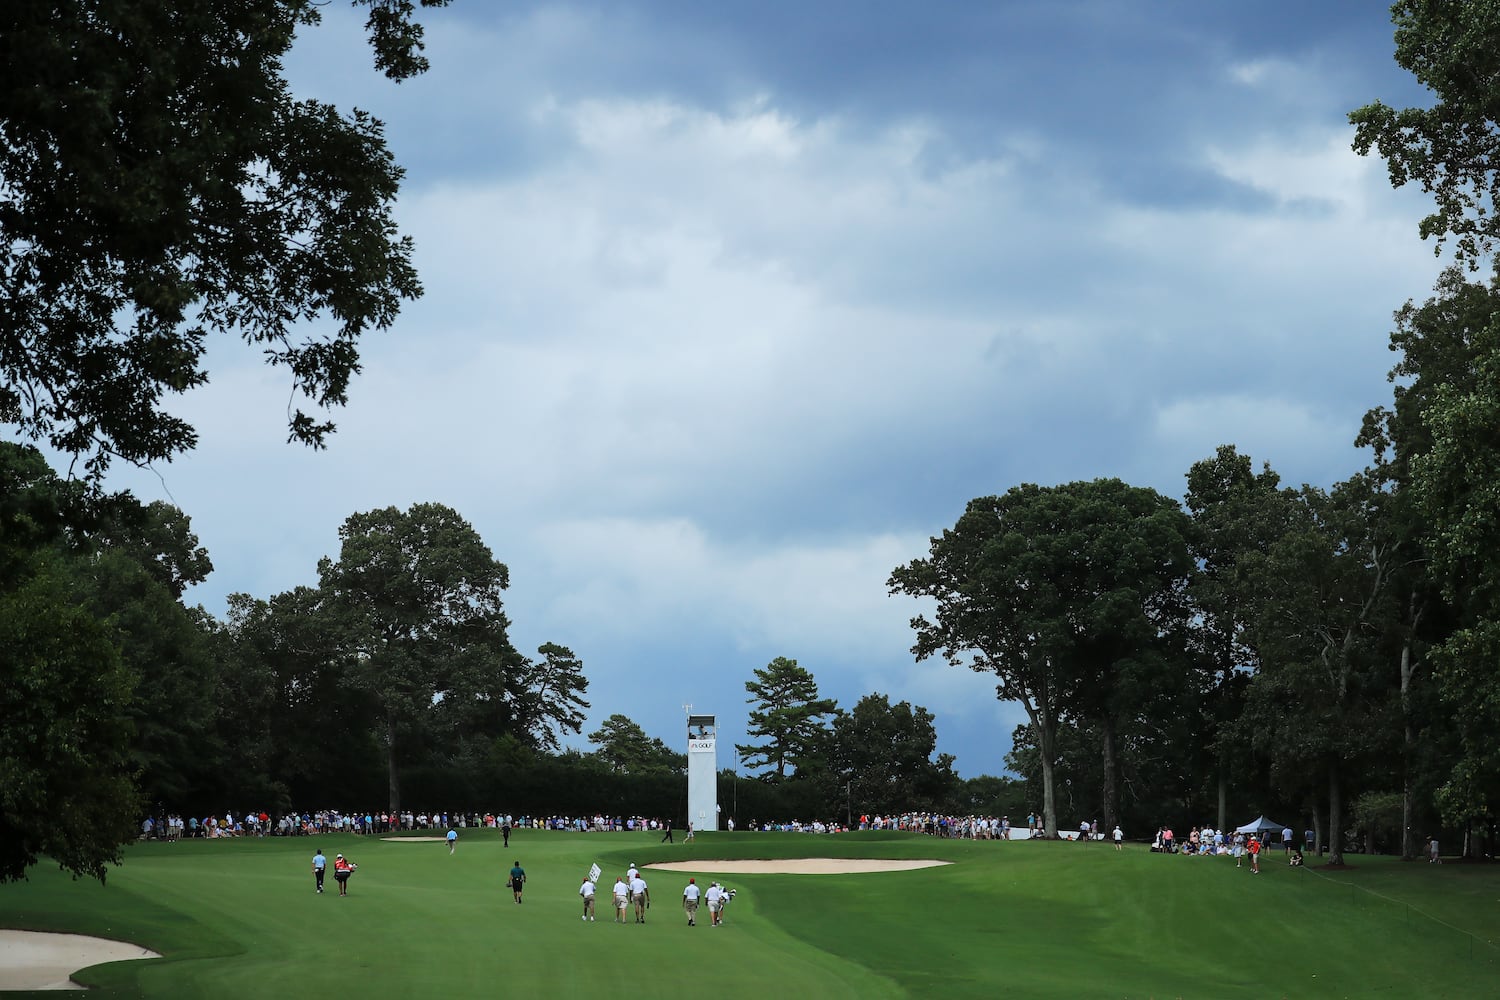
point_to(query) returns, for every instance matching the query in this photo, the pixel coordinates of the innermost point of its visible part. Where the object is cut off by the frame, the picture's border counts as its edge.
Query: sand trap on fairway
(415, 840)
(797, 866)
(33, 961)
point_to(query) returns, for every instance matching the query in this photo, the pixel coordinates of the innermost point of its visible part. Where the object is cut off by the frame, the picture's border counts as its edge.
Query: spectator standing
(1253, 846)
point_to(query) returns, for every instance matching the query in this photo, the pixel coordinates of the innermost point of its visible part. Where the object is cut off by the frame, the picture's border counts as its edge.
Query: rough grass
(240, 918)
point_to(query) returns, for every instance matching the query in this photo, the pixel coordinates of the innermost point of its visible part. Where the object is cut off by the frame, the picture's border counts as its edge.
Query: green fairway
(240, 918)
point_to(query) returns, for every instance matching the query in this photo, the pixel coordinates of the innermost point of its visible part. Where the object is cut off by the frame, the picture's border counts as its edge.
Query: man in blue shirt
(452, 839)
(320, 864)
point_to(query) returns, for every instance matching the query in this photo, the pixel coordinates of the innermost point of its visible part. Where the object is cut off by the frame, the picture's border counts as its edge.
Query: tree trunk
(1318, 837)
(390, 762)
(1046, 740)
(1408, 750)
(1223, 790)
(1111, 784)
(1335, 817)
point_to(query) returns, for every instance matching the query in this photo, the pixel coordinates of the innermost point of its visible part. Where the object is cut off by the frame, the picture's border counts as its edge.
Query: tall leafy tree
(884, 755)
(1054, 590)
(1237, 512)
(551, 701)
(1442, 346)
(788, 716)
(284, 715)
(1449, 147)
(162, 185)
(416, 596)
(625, 748)
(137, 564)
(1123, 562)
(1319, 697)
(67, 785)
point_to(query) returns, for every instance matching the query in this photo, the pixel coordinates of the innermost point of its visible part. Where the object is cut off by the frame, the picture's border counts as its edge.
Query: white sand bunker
(33, 961)
(415, 840)
(797, 866)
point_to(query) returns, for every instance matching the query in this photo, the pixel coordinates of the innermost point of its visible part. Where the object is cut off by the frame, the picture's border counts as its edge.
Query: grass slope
(240, 918)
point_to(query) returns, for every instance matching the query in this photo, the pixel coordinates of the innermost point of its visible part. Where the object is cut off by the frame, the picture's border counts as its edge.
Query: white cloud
(710, 370)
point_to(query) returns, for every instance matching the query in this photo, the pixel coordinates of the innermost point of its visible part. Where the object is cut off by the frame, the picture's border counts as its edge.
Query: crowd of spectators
(262, 824)
(170, 826)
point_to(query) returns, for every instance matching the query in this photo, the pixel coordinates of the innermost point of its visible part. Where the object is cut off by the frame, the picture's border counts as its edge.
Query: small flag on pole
(594, 872)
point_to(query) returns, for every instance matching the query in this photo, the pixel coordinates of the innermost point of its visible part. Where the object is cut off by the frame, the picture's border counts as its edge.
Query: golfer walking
(319, 866)
(640, 895)
(690, 902)
(516, 880)
(622, 899)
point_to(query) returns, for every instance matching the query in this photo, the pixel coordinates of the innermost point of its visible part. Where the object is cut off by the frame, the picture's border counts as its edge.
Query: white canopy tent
(1261, 827)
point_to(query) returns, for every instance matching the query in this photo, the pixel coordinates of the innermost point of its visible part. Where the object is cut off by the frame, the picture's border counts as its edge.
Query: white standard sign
(700, 746)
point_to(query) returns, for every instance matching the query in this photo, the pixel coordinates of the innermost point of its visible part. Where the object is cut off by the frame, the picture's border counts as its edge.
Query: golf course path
(30, 960)
(796, 866)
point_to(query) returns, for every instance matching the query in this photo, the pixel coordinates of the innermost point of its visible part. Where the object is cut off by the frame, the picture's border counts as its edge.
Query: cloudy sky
(731, 307)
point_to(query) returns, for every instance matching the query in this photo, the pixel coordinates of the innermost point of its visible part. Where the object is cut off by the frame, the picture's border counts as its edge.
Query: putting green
(240, 918)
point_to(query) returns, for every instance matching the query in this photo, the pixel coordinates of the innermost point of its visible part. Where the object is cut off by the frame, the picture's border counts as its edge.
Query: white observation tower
(703, 773)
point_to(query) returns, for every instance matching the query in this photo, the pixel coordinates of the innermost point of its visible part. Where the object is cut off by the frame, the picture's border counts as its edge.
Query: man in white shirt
(690, 901)
(715, 899)
(1119, 837)
(631, 872)
(622, 899)
(640, 896)
(587, 892)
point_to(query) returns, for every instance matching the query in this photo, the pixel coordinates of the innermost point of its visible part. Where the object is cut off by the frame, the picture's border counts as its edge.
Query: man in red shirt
(1254, 848)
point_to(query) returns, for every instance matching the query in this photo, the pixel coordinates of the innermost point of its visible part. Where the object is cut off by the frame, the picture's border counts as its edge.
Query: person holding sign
(587, 892)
